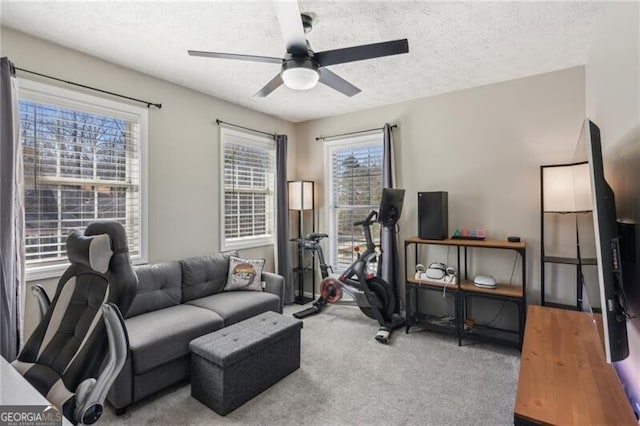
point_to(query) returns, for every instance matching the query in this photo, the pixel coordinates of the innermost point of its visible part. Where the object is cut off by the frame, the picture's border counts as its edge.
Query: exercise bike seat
(316, 236)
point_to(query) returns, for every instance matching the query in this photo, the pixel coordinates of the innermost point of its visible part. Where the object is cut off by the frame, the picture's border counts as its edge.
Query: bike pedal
(382, 336)
(306, 312)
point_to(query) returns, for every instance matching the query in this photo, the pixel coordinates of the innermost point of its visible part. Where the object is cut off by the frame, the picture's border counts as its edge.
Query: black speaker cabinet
(433, 215)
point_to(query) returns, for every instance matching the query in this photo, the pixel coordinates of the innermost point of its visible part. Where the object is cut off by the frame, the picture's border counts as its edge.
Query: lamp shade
(300, 195)
(566, 188)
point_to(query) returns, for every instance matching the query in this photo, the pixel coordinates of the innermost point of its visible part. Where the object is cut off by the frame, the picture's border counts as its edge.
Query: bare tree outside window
(356, 187)
(79, 167)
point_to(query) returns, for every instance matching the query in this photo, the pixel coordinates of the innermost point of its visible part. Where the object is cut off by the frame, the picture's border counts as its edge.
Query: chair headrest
(93, 251)
(114, 230)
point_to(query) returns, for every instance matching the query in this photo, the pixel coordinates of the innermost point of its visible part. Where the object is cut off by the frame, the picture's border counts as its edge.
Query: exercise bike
(374, 296)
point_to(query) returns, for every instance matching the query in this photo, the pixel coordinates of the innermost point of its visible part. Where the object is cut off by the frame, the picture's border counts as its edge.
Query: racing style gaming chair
(66, 357)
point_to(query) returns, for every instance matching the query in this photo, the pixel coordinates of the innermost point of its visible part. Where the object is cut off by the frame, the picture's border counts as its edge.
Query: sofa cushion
(158, 337)
(159, 286)
(204, 276)
(236, 306)
(244, 274)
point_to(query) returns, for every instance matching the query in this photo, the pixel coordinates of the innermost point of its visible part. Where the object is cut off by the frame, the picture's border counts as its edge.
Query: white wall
(183, 181)
(484, 146)
(613, 75)
(613, 103)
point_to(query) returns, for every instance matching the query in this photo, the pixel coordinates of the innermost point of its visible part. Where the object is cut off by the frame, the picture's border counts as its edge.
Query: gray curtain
(389, 240)
(11, 215)
(283, 246)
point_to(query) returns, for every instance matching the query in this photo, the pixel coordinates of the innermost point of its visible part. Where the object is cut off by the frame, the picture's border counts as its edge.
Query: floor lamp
(301, 200)
(565, 189)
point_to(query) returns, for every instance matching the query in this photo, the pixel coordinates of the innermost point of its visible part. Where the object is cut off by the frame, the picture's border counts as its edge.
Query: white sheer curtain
(11, 216)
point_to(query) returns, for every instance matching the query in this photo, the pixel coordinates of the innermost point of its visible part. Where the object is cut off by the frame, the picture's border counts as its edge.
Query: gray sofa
(175, 303)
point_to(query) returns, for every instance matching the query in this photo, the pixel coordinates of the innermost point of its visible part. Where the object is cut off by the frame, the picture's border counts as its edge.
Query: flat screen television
(608, 247)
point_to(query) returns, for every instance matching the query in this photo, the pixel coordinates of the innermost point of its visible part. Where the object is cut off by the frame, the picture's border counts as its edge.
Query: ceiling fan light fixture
(300, 75)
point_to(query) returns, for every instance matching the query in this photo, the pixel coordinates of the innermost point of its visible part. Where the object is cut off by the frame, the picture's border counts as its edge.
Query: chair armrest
(275, 285)
(43, 300)
(91, 393)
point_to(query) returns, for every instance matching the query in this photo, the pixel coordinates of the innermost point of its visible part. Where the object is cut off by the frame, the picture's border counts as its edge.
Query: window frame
(351, 142)
(32, 91)
(253, 140)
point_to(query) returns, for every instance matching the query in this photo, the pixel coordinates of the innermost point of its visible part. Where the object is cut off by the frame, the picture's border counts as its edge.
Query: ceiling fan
(301, 67)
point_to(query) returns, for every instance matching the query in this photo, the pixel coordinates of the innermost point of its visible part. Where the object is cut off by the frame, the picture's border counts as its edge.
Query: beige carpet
(347, 378)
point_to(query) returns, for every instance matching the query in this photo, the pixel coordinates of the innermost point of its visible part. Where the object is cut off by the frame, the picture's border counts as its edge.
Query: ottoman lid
(238, 341)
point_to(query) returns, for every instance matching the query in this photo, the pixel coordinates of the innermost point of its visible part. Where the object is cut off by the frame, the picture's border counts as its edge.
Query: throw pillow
(244, 274)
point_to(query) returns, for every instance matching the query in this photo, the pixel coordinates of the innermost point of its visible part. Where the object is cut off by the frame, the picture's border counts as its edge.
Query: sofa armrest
(275, 285)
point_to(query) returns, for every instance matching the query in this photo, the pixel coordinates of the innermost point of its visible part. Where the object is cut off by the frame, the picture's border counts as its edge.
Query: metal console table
(464, 289)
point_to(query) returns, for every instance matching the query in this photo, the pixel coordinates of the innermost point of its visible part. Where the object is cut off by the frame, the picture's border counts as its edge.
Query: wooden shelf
(465, 289)
(434, 323)
(569, 260)
(429, 283)
(568, 212)
(503, 290)
(468, 243)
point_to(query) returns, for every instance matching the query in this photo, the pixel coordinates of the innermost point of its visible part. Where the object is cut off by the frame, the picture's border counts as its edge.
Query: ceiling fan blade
(338, 83)
(360, 53)
(291, 26)
(269, 87)
(252, 58)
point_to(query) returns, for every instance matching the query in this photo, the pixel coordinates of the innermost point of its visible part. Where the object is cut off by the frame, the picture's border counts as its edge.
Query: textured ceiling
(453, 45)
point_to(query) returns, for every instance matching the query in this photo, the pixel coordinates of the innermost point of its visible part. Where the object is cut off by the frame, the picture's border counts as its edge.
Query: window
(354, 188)
(83, 160)
(248, 181)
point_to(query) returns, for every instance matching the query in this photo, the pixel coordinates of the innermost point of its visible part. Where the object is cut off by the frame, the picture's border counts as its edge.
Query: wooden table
(564, 378)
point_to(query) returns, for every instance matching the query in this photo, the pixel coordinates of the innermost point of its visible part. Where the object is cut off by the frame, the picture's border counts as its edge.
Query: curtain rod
(321, 138)
(149, 104)
(218, 122)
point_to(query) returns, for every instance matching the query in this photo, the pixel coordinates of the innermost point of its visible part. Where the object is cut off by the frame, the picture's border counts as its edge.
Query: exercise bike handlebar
(315, 236)
(368, 220)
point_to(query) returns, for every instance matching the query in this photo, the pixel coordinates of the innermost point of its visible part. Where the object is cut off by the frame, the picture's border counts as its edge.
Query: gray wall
(183, 161)
(484, 146)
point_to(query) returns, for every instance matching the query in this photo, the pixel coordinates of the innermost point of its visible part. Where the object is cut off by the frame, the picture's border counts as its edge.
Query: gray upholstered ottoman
(232, 365)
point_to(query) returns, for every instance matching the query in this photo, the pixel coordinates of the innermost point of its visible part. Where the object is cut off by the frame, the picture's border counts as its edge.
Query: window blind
(79, 167)
(249, 180)
(356, 188)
